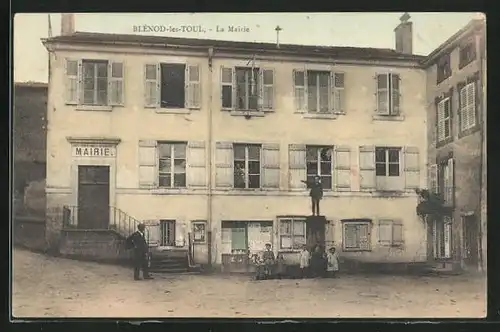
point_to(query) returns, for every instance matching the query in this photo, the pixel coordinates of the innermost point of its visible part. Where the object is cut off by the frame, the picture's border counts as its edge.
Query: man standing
(316, 194)
(137, 242)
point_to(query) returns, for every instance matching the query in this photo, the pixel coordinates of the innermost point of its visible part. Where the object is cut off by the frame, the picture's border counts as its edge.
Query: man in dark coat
(137, 242)
(316, 193)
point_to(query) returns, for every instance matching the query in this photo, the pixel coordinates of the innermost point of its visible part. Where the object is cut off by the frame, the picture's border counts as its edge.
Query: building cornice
(94, 140)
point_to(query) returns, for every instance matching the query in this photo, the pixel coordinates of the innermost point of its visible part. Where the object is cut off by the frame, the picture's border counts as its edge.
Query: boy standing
(316, 193)
(333, 262)
(304, 258)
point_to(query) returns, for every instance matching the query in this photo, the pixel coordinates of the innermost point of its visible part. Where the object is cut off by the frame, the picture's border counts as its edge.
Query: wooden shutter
(342, 162)
(148, 160)
(116, 83)
(224, 171)
(395, 94)
(297, 166)
(471, 105)
(154, 233)
(267, 89)
(434, 239)
(351, 237)
(367, 168)
(397, 232)
(440, 121)
(412, 167)
(364, 236)
(449, 186)
(73, 70)
(300, 89)
(271, 166)
(382, 93)
(433, 178)
(193, 86)
(338, 92)
(196, 171)
(462, 102)
(447, 237)
(385, 232)
(228, 83)
(152, 80)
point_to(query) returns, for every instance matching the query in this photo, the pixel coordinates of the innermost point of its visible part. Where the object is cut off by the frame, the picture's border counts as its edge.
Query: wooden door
(471, 244)
(167, 230)
(93, 197)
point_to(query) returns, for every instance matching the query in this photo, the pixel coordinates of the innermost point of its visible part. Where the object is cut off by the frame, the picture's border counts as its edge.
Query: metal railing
(119, 221)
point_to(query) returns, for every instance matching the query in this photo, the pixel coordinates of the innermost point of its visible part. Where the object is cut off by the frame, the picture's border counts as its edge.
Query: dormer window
(443, 68)
(467, 53)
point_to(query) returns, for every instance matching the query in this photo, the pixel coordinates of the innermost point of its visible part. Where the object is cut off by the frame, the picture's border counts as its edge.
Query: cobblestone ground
(55, 287)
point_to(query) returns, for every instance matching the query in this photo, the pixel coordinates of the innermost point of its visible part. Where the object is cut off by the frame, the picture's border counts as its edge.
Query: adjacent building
(456, 99)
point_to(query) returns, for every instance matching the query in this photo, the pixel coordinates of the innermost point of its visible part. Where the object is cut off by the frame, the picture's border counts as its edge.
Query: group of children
(316, 264)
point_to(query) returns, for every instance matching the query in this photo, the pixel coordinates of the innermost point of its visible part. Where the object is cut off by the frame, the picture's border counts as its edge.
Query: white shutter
(471, 105)
(153, 231)
(434, 239)
(152, 80)
(297, 166)
(228, 83)
(338, 83)
(450, 185)
(299, 91)
(224, 171)
(193, 86)
(367, 168)
(464, 114)
(433, 178)
(342, 162)
(382, 93)
(395, 94)
(447, 237)
(148, 160)
(180, 233)
(397, 232)
(412, 167)
(196, 172)
(73, 70)
(385, 232)
(271, 166)
(440, 121)
(364, 237)
(116, 83)
(267, 91)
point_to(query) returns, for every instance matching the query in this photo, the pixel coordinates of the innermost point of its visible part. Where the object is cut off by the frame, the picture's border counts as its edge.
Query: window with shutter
(390, 233)
(196, 173)
(338, 89)
(116, 83)
(292, 233)
(412, 167)
(153, 231)
(356, 235)
(247, 166)
(152, 85)
(148, 177)
(342, 164)
(224, 165)
(388, 94)
(193, 86)
(95, 82)
(267, 92)
(271, 166)
(388, 169)
(467, 107)
(172, 164)
(73, 75)
(300, 92)
(443, 119)
(319, 162)
(367, 168)
(228, 94)
(297, 166)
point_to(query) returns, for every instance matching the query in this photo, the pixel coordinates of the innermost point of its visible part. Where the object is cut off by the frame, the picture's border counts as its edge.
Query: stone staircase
(171, 261)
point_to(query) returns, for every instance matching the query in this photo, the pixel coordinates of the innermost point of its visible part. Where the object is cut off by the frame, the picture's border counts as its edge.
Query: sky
(328, 29)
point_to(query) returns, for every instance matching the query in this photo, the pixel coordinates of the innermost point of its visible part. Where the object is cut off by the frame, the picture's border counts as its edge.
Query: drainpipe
(482, 174)
(209, 165)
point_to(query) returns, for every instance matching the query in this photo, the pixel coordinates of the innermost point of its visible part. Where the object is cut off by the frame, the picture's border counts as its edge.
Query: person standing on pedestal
(316, 193)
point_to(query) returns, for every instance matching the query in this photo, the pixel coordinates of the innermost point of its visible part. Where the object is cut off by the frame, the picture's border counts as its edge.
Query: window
(94, 82)
(172, 85)
(319, 91)
(356, 235)
(199, 231)
(292, 233)
(167, 231)
(468, 106)
(247, 89)
(445, 181)
(444, 119)
(387, 161)
(390, 233)
(467, 53)
(388, 95)
(247, 166)
(319, 163)
(443, 68)
(172, 164)
(442, 238)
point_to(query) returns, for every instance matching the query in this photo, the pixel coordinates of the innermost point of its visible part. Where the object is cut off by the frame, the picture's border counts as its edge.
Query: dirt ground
(55, 287)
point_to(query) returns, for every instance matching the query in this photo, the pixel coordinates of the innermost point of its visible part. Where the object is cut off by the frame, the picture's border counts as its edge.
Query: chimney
(67, 24)
(404, 35)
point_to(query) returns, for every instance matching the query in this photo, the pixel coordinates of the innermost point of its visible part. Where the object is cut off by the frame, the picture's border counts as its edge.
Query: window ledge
(248, 113)
(469, 131)
(356, 250)
(173, 111)
(103, 108)
(327, 116)
(379, 117)
(444, 142)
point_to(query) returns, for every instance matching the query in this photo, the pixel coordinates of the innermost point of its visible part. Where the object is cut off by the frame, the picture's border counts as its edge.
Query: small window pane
(326, 168)
(380, 169)
(326, 154)
(393, 155)
(380, 155)
(165, 165)
(299, 78)
(326, 182)
(393, 169)
(239, 152)
(286, 227)
(323, 79)
(88, 69)
(312, 154)
(268, 77)
(312, 168)
(179, 151)
(116, 69)
(299, 241)
(179, 166)
(298, 227)
(102, 70)
(165, 180)
(180, 180)
(227, 96)
(254, 167)
(310, 178)
(165, 150)
(253, 152)
(254, 181)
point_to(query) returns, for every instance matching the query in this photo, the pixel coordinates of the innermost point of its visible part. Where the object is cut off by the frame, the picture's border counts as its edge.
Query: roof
(234, 46)
(31, 84)
(450, 43)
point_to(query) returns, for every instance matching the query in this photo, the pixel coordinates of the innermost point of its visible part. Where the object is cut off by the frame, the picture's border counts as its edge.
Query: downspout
(482, 173)
(209, 164)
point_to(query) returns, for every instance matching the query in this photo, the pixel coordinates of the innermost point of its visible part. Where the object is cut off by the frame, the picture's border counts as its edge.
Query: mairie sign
(100, 151)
